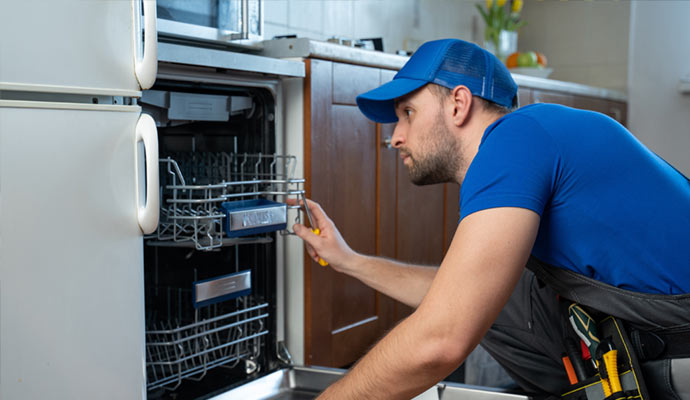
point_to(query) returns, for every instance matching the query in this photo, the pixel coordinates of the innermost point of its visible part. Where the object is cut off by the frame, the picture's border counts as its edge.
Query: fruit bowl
(532, 71)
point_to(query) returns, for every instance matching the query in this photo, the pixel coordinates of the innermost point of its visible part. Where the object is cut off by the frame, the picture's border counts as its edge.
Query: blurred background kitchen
(641, 48)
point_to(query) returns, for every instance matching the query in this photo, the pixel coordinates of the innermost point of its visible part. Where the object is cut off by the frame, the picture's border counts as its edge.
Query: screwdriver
(314, 229)
(607, 359)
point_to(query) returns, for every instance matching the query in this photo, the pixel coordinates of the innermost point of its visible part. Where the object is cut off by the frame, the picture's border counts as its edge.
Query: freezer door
(77, 46)
(71, 253)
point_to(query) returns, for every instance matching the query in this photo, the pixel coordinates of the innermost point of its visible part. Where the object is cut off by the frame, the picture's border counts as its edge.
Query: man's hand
(403, 282)
(329, 244)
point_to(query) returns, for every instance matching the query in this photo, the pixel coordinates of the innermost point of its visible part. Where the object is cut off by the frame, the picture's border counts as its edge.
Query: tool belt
(638, 326)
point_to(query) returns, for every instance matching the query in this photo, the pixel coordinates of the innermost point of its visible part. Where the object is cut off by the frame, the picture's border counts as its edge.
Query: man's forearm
(403, 282)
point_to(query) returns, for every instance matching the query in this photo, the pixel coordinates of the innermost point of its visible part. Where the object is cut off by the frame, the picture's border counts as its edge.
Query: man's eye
(408, 112)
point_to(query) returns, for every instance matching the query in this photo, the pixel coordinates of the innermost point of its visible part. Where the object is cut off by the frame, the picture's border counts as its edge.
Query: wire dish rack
(194, 185)
(214, 339)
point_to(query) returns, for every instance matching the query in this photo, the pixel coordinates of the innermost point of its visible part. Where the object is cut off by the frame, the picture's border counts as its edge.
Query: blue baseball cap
(449, 63)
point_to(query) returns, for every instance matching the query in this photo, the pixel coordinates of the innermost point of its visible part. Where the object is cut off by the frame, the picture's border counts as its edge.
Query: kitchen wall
(639, 47)
(659, 56)
(584, 41)
(404, 24)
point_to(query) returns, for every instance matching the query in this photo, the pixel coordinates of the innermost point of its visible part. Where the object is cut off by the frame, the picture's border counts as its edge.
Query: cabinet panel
(353, 182)
(351, 81)
(387, 185)
(341, 316)
(524, 96)
(543, 96)
(387, 203)
(351, 344)
(614, 109)
(317, 298)
(420, 220)
(387, 196)
(420, 216)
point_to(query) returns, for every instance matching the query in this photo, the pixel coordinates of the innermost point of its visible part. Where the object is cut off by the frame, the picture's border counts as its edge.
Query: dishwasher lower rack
(175, 353)
(199, 191)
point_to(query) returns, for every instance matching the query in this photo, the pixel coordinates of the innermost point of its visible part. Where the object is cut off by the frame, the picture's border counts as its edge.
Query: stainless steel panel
(198, 107)
(247, 219)
(216, 20)
(294, 383)
(453, 391)
(223, 286)
(189, 55)
(308, 382)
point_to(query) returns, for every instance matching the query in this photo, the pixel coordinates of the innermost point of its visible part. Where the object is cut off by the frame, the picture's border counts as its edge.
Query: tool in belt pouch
(618, 372)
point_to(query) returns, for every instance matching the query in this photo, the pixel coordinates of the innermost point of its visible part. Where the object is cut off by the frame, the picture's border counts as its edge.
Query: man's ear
(462, 104)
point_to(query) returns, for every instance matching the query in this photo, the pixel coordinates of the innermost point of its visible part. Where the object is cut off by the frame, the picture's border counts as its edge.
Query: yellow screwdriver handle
(611, 362)
(605, 384)
(322, 262)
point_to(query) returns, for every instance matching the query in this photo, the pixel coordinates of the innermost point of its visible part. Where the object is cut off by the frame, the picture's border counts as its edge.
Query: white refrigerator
(78, 189)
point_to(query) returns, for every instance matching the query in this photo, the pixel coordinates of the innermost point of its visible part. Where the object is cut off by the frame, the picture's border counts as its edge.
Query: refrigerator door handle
(148, 205)
(146, 67)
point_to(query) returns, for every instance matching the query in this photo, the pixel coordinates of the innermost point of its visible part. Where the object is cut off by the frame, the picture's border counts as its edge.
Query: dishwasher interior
(210, 268)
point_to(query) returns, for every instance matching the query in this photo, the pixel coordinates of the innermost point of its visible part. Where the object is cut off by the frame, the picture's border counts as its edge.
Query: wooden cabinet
(613, 108)
(363, 186)
(341, 315)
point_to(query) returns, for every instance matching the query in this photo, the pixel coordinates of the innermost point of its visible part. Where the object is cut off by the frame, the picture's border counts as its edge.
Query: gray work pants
(527, 340)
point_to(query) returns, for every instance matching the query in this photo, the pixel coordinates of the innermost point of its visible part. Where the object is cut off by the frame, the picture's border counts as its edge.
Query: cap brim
(378, 105)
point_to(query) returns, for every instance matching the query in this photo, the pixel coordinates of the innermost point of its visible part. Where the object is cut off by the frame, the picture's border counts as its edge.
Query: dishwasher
(210, 268)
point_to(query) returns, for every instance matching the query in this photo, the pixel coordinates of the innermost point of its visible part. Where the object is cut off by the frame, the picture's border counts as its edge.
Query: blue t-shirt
(610, 208)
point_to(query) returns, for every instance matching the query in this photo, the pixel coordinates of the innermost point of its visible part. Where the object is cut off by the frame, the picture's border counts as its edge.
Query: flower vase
(505, 46)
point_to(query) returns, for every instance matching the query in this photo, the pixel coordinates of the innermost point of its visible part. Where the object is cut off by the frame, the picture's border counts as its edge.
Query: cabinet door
(364, 187)
(342, 314)
(412, 218)
(387, 221)
(546, 96)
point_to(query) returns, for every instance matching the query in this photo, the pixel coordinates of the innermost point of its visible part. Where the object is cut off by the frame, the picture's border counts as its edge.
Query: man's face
(427, 146)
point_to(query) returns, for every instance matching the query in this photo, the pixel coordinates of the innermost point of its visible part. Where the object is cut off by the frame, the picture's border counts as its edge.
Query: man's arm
(403, 282)
(475, 280)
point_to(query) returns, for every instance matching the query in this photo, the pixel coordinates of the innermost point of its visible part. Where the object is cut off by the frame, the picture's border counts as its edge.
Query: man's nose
(398, 138)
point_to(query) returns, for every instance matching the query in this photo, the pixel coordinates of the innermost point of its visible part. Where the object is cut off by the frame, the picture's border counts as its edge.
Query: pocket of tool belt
(629, 370)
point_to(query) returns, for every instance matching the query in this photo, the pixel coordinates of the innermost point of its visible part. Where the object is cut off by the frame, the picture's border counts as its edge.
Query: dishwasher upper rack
(194, 184)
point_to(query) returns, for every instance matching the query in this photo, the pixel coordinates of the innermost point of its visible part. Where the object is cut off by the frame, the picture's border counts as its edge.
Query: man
(571, 188)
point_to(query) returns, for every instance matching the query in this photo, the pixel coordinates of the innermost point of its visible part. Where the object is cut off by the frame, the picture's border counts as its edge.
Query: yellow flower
(501, 3)
(489, 3)
(517, 6)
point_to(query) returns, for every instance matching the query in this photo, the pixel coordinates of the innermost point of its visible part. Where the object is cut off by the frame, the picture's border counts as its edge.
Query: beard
(439, 158)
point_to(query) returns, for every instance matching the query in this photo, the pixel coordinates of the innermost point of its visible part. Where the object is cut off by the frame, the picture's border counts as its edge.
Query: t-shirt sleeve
(515, 166)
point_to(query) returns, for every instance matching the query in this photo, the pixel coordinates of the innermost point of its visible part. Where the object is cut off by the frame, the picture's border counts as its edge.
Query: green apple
(527, 59)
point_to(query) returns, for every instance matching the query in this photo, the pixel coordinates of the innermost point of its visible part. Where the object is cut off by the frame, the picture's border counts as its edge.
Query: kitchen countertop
(304, 47)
